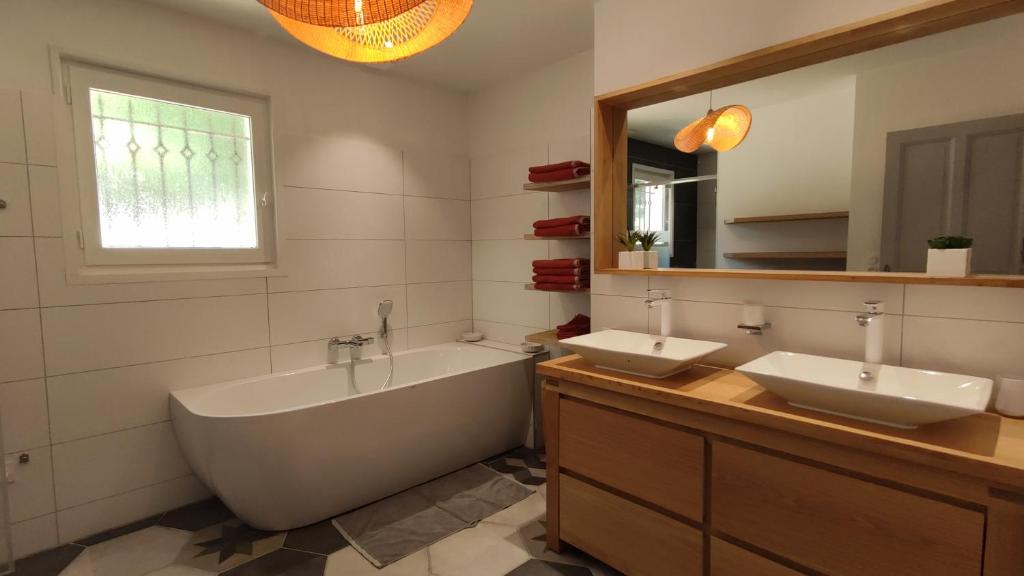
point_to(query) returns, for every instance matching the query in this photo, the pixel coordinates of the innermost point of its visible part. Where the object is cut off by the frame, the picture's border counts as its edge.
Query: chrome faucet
(354, 344)
(871, 319)
(661, 299)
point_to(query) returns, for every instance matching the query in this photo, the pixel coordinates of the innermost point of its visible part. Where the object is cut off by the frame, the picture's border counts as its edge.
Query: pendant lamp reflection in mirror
(370, 30)
(722, 129)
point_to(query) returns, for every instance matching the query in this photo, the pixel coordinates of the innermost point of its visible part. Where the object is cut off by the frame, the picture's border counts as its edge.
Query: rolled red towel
(577, 321)
(562, 263)
(548, 287)
(558, 175)
(581, 272)
(563, 231)
(545, 279)
(558, 166)
(556, 222)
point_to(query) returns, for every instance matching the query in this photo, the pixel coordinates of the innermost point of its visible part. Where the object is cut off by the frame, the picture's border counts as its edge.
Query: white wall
(968, 330)
(543, 117)
(373, 203)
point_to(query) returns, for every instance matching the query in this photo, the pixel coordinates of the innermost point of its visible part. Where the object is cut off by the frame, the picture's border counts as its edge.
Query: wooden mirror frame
(611, 136)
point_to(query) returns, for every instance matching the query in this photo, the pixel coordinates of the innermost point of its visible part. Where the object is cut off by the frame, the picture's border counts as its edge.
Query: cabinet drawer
(730, 560)
(654, 462)
(836, 524)
(627, 536)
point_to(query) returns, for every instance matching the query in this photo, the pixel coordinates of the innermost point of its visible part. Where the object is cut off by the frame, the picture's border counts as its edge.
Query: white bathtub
(290, 449)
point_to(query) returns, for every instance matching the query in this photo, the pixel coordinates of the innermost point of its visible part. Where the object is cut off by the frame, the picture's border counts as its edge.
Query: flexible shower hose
(384, 336)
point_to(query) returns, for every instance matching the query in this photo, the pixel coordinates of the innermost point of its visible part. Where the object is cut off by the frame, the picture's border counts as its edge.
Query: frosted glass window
(171, 175)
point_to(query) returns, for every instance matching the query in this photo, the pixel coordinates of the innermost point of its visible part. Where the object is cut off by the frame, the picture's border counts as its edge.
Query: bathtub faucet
(354, 344)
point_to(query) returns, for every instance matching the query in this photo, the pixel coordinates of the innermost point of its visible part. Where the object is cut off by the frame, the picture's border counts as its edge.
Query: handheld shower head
(384, 309)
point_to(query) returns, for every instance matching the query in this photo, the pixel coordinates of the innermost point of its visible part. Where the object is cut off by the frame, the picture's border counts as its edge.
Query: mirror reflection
(852, 164)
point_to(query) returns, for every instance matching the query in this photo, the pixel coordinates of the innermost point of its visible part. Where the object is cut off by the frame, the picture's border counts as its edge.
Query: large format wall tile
(848, 296)
(348, 163)
(618, 312)
(21, 349)
(80, 403)
(507, 333)
(40, 136)
(420, 336)
(967, 302)
(44, 189)
(12, 129)
(975, 347)
(104, 466)
(335, 214)
(319, 314)
(79, 338)
(16, 219)
(18, 277)
(509, 303)
(440, 302)
(436, 219)
(436, 175)
(507, 260)
(504, 173)
(320, 264)
(508, 217)
(287, 357)
(438, 260)
(24, 416)
(35, 535)
(31, 493)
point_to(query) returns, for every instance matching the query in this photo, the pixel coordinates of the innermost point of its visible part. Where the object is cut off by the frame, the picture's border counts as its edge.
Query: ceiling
(500, 38)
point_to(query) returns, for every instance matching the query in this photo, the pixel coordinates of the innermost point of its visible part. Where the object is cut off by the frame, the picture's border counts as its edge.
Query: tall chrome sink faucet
(872, 320)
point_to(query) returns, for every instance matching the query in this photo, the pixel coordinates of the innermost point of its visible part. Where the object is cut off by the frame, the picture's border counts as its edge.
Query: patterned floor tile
(178, 570)
(348, 562)
(119, 531)
(534, 567)
(227, 545)
(49, 562)
(482, 550)
(134, 554)
(197, 516)
(521, 513)
(524, 464)
(282, 562)
(320, 538)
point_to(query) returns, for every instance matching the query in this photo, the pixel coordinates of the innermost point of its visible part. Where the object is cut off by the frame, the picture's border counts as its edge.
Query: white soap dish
(472, 336)
(531, 347)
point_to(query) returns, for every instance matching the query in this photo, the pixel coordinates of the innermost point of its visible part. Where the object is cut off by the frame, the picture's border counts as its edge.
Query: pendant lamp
(722, 129)
(370, 30)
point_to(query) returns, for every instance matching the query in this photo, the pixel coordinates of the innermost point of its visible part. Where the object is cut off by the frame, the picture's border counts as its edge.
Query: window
(169, 173)
(652, 202)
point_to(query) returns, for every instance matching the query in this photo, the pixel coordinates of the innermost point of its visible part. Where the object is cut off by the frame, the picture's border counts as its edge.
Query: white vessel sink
(901, 397)
(640, 354)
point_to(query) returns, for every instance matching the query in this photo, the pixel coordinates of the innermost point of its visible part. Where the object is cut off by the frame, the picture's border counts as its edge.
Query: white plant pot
(949, 262)
(626, 261)
(650, 259)
(638, 259)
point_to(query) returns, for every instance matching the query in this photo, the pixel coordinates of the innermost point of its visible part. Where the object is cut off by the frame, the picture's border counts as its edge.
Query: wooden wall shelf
(547, 337)
(581, 183)
(790, 217)
(535, 237)
(785, 255)
(530, 287)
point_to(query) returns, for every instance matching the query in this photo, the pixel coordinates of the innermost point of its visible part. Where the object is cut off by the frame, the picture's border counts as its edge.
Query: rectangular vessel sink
(640, 354)
(900, 397)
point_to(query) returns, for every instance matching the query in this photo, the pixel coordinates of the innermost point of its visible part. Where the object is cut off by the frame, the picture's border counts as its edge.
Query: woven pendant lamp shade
(340, 13)
(425, 25)
(730, 125)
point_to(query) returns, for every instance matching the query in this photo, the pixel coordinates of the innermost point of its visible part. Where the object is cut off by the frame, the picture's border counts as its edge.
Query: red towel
(563, 334)
(562, 287)
(546, 279)
(581, 272)
(578, 321)
(558, 166)
(567, 230)
(559, 222)
(562, 263)
(558, 175)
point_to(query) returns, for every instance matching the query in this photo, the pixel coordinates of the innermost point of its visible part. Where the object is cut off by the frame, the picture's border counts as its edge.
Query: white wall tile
(508, 217)
(79, 338)
(508, 333)
(438, 260)
(614, 285)
(505, 173)
(974, 347)
(24, 416)
(315, 352)
(319, 264)
(848, 296)
(21, 350)
(336, 214)
(420, 336)
(618, 312)
(968, 302)
(12, 130)
(509, 303)
(572, 203)
(563, 307)
(440, 302)
(507, 260)
(338, 163)
(104, 466)
(31, 493)
(436, 219)
(40, 136)
(18, 277)
(44, 188)
(35, 535)
(16, 219)
(55, 291)
(576, 147)
(436, 175)
(80, 403)
(318, 314)
(485, 176)
(570, 249)
(88, 519)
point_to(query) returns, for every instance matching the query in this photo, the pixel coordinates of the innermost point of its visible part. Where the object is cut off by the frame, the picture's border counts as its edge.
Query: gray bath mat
(391, 529)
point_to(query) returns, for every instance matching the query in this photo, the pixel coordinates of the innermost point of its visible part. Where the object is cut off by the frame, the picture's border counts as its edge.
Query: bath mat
(395, 527)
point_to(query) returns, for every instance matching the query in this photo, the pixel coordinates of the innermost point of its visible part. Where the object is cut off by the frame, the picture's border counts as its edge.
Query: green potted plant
(949, 256)
(647, 240)
(628, 259)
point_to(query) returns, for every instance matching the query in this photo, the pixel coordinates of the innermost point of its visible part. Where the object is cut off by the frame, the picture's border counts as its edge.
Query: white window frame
(96, 261)
(642, 173)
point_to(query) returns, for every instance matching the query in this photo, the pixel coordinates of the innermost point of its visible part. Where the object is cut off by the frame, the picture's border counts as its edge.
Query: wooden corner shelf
(548, 337)
(535, 237)
(785, 255)
(530, 287)
(581, 183)
(790, 217)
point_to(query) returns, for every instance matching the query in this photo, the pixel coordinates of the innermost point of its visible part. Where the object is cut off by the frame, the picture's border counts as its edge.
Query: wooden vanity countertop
(986, 446)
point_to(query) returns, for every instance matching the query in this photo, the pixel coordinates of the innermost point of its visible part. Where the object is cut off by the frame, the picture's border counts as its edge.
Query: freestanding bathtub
(290, 449)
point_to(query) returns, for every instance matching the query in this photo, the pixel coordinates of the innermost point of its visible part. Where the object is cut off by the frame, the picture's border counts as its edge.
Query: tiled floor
(205, 539)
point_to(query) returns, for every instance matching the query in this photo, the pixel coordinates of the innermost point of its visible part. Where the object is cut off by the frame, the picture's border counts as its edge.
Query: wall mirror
(850, 164)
